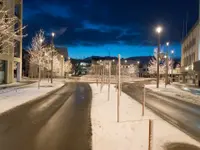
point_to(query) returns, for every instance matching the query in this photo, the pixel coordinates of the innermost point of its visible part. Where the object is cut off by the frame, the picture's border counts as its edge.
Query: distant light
(172, 51)
(113, 60)
(100, 60)
(125, 61)
(186, 68)
(165, 56)
(138, 62)
(52, 34)
(159, 29)
(167, 43)
(61, 56)
(69, 58)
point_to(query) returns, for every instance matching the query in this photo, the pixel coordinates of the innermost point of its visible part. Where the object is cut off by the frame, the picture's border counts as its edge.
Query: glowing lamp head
(159, 29)
(52, 34)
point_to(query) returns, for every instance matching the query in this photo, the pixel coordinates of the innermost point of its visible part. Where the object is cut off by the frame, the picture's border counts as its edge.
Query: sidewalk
(131, 133)
(13, 98)
(15, 84)
(175, 92)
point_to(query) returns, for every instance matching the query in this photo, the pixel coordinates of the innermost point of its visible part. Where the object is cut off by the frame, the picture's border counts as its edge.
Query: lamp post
(138, 64)
(172, 53)
(158, 30)
(52, 34)
(167, 64)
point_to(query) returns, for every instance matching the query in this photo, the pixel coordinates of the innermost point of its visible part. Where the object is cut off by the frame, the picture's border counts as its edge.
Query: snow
(11, 84)
(131, 133)
(175, 92)
(19, 96)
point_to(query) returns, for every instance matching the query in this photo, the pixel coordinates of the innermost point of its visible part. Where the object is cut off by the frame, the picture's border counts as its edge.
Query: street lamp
(138, 62)
(158, 31)
(53, 35)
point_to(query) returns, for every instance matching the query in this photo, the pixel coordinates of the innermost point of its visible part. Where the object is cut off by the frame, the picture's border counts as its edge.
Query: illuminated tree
(68, 66)
(8, 31)
(37, 53)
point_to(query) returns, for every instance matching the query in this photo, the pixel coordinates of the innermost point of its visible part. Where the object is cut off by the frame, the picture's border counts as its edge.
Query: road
(183, 115)
(59, 121)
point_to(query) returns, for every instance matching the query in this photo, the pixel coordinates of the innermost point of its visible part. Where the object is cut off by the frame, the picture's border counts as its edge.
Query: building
(190, 57)
(62, 56)
(11, 63)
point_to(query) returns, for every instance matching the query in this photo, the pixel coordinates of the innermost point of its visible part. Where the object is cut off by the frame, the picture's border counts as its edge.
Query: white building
(190, 57)
(11, 64)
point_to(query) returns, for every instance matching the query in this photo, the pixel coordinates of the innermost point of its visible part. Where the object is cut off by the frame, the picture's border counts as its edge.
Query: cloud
(99, 22)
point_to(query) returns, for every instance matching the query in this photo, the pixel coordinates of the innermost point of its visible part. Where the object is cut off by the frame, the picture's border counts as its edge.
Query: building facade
(190, 56)
(11, 63)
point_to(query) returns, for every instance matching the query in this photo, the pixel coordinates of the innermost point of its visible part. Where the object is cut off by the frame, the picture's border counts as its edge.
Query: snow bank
(131, 133)
(19, 96)
(175, 92)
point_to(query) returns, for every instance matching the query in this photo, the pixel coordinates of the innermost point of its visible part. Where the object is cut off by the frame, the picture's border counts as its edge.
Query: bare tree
(37, 53)
(68, 66)
(56, 65)
(153, 67)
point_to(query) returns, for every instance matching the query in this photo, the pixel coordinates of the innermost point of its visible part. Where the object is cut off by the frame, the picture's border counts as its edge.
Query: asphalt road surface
(60, 121)
(183, 115)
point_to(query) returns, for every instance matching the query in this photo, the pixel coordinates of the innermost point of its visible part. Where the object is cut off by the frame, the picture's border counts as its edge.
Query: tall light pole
(53, 35)
(158, 30)
(167, 64)
(138, 65)
(172, 53)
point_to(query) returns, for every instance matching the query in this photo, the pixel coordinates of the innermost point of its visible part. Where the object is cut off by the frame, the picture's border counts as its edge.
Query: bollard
(150, 135)
(143, 102)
